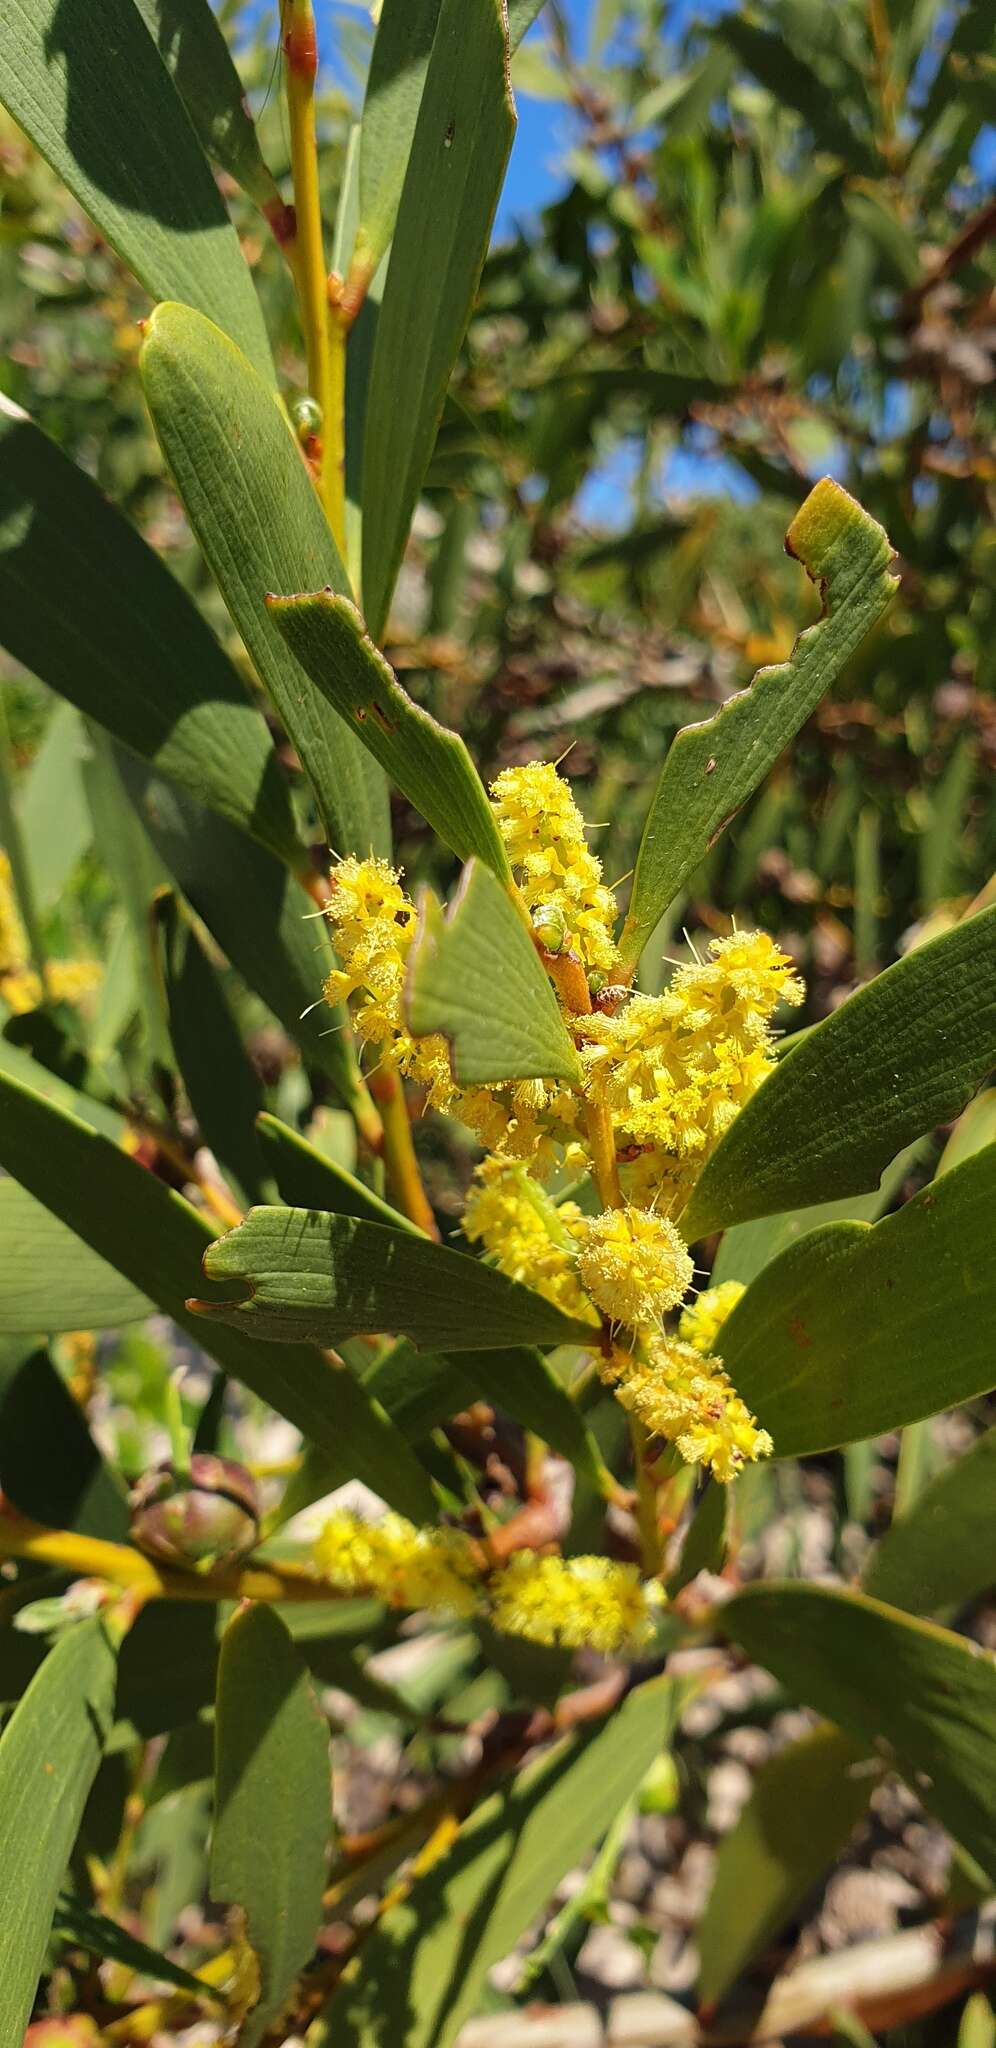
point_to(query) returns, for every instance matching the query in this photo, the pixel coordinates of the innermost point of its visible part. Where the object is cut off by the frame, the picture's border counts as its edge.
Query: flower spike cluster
(662, 1079)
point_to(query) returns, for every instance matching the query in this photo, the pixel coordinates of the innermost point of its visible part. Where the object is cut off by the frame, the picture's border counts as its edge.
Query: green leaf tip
(712, 768)
(475, 977)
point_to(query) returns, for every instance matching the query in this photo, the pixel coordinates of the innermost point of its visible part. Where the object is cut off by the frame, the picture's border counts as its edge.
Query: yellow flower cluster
(373, 923)
(403, 1565)
(688, 1399)
(634, 1265)
(526, 1234)
(574, 1603)
(559, 877)
(673, 1070)
(703, 1319)
(66, 981)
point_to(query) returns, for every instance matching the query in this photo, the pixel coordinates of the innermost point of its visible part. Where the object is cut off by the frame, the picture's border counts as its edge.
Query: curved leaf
(225, 1094)
(307, 1179)
(50, 1280)
(476, 977)
(430, 764)
(902, 1055)
(712, 768)
(50, 1467)
(91, 610)
(256, 514)
(100, 105)
(909, 1689)
(849, 1332)
(939, 1554)
(327, 1277)
(192, 45)
(273, 1803)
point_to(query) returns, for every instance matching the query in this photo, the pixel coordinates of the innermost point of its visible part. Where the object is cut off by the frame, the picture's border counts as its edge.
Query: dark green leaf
(224, 1092)
(909, 1689)
(430, 764)
(460, 148)
(712, 768)
(850, 1332)
(157, 1240)
(939, 1554)
(704, 1548)
(55, 817)
(100, 1936)
(902, 1055)
(476, 977)
(49, 1753)
(422, 1973)
(419, 1390)
(50, 1280)
(257, 516)
(308, 1179)
(327, 1277)
(102, 108)
(168, 1667)
(88, 607)
(803, 1807)
(746, 1249)
(273, 1803)
(193, 48)
(50, 1467)
(800, 85)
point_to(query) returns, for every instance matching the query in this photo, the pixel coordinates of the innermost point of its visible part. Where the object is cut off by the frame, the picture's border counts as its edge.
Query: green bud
(597, 980)
(306, 414)
(549, 927)
(197, 1519)
(660, 1789)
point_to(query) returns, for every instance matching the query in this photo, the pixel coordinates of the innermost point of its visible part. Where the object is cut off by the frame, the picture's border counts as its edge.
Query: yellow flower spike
(66, 981)
(574, 1603)
(689, 1400)
(402, 1565)
(703, 1319)
(559, 877)
(526, 1234)
(634, 1265)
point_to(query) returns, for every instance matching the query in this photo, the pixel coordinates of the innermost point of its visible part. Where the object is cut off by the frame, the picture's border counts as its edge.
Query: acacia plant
(665, 1268)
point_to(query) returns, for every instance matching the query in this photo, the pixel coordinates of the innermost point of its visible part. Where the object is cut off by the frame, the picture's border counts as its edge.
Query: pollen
(435, 1569)
(703, 1319)
(526, 1234)
(633, 1264)
(574, 1603)
(558, 875)
(689, 1400)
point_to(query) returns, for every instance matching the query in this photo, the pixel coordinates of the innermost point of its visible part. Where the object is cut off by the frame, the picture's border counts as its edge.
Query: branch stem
(404, 1180)
(305, 250)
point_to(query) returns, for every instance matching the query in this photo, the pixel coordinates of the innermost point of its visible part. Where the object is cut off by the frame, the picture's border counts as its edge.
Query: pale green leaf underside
(257, 517)
(429, 764)
(101, 106)
(861, 1328)
(157, 1241)
(803, 1807)
(900, 1685)
(92, 611)
(462, 139)
(902, 1055)
(476, 977)
(49, 1754)
(422, 1973)
(712, 768)
(50, 1280)
(273, 1799)
(939, 1554)
(321, 1278)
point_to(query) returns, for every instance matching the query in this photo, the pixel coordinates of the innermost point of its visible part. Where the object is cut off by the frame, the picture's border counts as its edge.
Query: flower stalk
(305, 252)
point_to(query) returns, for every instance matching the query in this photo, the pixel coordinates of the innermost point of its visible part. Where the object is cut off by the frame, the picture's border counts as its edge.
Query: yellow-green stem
(305, 249)
(90, 1557)
(404, 1181)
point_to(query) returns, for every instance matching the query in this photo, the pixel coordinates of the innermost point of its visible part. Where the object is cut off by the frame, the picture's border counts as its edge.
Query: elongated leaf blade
(273, 1802)
(49, 1753)
(307, 1179)
(902, 1055)
(50, 1280)
(430, 764)
(50, 1467)
(224, 1092)
(745, 1250)
(906, 1687)
(939, 1554)
(156, 1239)
(55, 818)
(192, 45)
(712, 768)
(476, 977)
(849, 1332)
(461, 144)
(90, 609)
(802, 1809)
(329, 1277)
(257, 516)
(420, 1389)
(100, 1936)
(100, 105)
(422, 1972)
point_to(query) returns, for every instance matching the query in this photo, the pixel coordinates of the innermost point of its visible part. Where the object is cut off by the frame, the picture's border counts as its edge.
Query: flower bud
(306, 414)
(206, 1516)
(549, 927)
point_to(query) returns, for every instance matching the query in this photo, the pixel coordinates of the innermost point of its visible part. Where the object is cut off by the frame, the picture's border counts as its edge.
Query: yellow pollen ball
(404, 1566)
(703, 1319)
(574, 1603)
(634, 1265)
(679, 1395)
